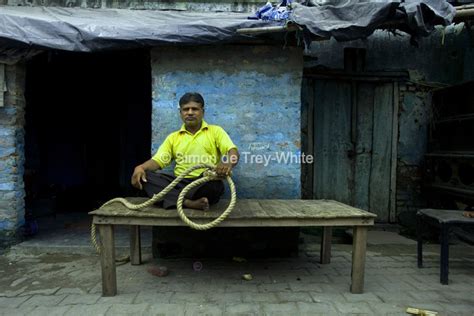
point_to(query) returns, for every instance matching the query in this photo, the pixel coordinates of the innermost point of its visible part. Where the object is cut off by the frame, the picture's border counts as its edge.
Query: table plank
(249, 209)
(447, 216)
(277, 209)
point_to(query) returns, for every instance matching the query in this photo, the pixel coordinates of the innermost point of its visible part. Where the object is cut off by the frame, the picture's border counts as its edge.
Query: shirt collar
(204, 125)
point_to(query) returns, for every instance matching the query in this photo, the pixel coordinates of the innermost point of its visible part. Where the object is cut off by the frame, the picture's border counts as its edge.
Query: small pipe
(268, 29)
(465, 6)
(465, 13)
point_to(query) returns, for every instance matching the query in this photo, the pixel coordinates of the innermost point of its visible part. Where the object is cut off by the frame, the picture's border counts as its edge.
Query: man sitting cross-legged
(196, 142)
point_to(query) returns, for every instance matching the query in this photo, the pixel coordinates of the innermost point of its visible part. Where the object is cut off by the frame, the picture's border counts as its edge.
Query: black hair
(191, 97)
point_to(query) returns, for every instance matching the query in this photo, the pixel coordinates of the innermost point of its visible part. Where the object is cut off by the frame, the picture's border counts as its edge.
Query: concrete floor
(70, 233)
(57, 273)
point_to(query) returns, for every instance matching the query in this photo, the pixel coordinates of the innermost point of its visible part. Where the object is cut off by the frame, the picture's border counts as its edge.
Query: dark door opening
(88, 123)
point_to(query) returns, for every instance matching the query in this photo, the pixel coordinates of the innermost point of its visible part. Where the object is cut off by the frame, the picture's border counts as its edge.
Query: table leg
(326, 239)
(107, 260)
(135, 245)
(419, 239)
(359, 246)
(444, 254)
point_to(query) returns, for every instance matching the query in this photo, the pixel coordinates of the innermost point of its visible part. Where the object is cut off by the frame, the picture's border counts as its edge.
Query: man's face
(192, 114)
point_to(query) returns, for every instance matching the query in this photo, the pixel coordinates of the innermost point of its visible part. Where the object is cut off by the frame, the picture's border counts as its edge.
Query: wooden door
(354, 136)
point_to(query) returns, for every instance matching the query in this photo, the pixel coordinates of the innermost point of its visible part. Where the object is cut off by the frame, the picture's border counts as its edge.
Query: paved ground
(69, 284)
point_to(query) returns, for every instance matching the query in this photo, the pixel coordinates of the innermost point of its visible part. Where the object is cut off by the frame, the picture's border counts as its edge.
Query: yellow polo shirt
(208, 145)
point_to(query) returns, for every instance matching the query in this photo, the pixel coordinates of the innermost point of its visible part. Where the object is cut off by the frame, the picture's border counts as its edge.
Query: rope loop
(209, 175)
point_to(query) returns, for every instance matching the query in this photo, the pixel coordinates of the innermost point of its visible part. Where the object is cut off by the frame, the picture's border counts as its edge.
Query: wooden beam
(310, 117)
(465, 6)
(394, 163)
(462, 13)
(247, 222)
(268, 29)
(351, 75)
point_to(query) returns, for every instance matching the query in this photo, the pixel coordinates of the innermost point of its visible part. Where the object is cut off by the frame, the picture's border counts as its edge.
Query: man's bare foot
(199, 204)
(468, 214)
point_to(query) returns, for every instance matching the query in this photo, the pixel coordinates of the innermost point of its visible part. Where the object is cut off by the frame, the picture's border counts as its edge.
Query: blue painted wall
(253, 93)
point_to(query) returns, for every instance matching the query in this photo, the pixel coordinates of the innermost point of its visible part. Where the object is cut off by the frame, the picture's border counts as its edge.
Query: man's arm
(224, 168)
(160, 160)
(139, 174)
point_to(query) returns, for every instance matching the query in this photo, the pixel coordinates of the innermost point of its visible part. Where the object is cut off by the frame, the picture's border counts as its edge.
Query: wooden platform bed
(247, 213)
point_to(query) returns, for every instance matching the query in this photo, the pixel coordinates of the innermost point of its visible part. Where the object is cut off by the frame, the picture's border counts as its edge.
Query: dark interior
(88, 123)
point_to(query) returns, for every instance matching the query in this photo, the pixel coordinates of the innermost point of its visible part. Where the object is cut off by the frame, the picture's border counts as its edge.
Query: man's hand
(223, 169)
(138, 176)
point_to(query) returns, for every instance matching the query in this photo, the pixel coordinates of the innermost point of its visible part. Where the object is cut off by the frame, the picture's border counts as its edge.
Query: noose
(209, 175)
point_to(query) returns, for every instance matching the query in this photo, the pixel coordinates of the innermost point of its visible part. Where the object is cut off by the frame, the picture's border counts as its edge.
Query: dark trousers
(157, 181)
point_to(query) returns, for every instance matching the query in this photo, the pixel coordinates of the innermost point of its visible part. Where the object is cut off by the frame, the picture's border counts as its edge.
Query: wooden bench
(445, 220)
(247, 213)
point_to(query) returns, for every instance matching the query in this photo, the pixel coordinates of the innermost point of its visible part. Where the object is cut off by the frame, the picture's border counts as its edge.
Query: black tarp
(353, 19)
(84, 30)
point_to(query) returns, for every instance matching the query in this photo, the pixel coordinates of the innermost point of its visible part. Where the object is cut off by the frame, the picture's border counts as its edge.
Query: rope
(217, 221)
(209, 175)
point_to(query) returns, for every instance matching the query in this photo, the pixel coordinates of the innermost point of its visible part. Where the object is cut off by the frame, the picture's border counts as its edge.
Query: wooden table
(247, 213)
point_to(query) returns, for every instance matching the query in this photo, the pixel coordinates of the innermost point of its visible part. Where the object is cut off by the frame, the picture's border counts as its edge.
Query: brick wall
(415, 113)
(12, 154)
(253, 93)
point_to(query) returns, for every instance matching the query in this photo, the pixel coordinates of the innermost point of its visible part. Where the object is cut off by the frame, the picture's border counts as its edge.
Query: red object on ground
(159, 271)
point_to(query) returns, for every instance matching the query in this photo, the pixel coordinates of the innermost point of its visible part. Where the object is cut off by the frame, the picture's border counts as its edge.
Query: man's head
(191, 109)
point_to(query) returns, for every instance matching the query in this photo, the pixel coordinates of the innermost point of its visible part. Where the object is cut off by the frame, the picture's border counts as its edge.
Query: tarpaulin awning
(353, 19)
(84, 30)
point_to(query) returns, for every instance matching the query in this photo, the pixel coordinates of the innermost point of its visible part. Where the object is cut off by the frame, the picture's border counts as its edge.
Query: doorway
(352, 132)
(87, 124)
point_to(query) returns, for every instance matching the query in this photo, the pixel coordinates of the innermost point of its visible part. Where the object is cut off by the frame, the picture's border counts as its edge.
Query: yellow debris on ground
(239, 259)
(247, 277)
(421, 312)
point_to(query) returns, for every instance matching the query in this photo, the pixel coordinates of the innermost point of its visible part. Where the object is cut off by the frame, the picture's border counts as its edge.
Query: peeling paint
(250, 100)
